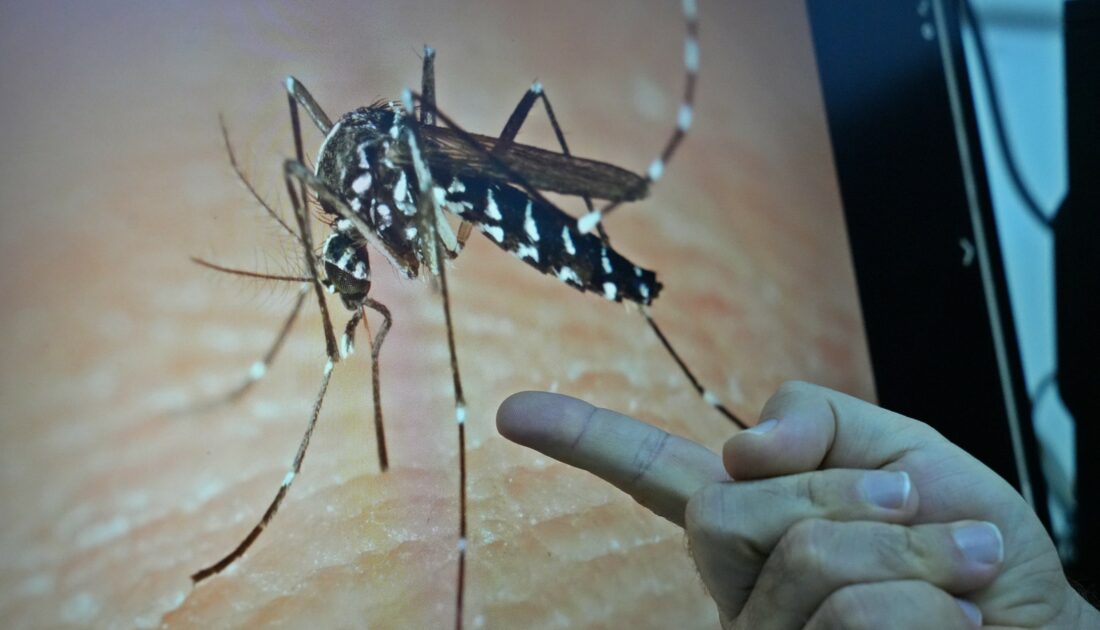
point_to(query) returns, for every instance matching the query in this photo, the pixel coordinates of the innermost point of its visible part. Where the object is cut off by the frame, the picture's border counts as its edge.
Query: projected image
(631, 205)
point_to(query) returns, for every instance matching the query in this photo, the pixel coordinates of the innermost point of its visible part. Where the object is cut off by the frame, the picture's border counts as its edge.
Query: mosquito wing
(448, 151)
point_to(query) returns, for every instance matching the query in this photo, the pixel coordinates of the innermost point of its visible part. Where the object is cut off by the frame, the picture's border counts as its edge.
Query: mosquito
(387, 175)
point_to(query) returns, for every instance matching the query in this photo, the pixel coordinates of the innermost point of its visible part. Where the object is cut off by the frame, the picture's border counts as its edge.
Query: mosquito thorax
(358, 143)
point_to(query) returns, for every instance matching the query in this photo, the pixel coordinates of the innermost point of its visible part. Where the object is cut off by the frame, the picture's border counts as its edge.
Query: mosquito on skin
(386, 175)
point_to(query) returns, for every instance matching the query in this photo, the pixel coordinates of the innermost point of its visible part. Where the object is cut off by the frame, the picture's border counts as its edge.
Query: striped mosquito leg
(375, 351)
(259, 368)
(705, 393)
(301, 215)
(300, 95)
(295, 468)
(427, 206)
(683, 117)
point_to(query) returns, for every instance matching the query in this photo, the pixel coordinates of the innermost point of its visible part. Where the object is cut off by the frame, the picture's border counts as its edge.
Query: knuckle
(817, 489)
(853, 608)
(805, 548)
(703, 518)
(897, 548)
(711, 523)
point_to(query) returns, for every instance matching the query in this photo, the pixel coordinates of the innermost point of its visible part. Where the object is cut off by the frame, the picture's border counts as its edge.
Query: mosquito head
(347, 268)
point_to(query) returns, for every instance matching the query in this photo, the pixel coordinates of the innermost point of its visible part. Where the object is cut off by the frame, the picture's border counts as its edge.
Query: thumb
(806, 427)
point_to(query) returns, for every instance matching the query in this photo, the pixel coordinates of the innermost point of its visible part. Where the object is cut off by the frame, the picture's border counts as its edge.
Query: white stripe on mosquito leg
(257, 371)
(423, 176)
(567, 240)
(610, 290)
(529, 225)
(491, 209)
(328, 367)
(460, 413)
(462, 544)
(536, 88)
(346, 346)
(691, 55)
(289, 479)
(683, 119)
(588, 221)
(711, 399)
(656, 169)
(691, 11)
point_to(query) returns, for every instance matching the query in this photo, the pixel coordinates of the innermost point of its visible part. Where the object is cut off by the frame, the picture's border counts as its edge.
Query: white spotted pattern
(361, 183)
(567, 240)
(401, 188)
(604, 260)
(529, 224)
(566, 274)
(491, 209)
(385, 216)
(523, 250)
(494, 231)
(345, 258)
(610, 290)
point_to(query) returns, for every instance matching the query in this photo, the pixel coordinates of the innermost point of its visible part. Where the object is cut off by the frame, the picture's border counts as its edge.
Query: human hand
(799, 540)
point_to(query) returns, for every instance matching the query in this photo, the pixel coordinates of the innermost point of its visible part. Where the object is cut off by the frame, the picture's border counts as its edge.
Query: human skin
(800, 541)
(114, 174)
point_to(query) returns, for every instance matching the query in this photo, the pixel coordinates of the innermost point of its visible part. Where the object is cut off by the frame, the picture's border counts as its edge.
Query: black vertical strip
(927, 311)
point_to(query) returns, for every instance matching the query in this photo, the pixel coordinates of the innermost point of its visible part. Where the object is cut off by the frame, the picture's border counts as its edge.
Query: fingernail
(763, 427)
(971, 610)
(980, 542)
(887, 489)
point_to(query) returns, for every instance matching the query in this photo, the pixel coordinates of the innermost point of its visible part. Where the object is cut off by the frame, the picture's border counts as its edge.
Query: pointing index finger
(659, 470)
